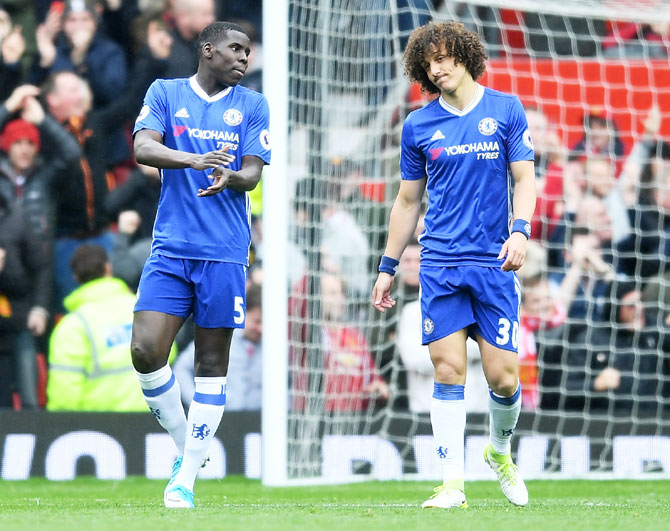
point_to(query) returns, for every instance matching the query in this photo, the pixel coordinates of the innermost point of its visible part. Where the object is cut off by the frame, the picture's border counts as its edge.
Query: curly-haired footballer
(464, 148)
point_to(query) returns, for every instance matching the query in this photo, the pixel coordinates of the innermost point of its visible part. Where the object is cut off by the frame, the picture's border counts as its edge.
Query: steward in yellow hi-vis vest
(89, 351)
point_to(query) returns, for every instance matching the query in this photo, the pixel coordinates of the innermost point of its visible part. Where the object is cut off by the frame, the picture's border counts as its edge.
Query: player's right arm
(404, 217)
(150, 150)
(150, 128)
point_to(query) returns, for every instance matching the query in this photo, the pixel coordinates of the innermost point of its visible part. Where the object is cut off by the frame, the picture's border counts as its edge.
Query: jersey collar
(468, 107)
(198, 90)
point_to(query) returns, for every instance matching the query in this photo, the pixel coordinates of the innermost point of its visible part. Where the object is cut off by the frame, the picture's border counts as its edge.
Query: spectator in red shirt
(549, 174)
(351, 376)
(540, 311)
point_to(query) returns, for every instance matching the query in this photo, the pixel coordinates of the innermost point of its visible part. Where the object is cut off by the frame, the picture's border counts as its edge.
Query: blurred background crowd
(76, 210)
(76, 217)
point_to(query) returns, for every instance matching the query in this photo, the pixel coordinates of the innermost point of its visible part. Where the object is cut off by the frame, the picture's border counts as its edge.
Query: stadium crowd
(76, 210)
(72, 78)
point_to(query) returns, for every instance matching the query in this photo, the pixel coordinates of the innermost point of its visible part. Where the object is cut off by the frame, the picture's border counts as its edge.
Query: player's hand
(513, 251)
(220, 176)
(212, 159)
(381, 293)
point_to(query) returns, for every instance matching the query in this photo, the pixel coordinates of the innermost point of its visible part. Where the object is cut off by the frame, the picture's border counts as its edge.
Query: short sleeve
(412, 159)
(257, 135)
(154, 109)
(519, 142)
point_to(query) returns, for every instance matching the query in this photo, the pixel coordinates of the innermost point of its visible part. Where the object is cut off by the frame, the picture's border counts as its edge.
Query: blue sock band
(159, 390)
(506, 401)
(212, 400)
(448, 392)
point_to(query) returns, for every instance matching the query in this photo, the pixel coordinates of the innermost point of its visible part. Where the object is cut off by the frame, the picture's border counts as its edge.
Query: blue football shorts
(485, 300)
(213, 291)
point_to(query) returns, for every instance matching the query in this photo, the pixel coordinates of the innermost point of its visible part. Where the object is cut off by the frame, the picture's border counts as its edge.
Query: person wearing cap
(26, 174)
(84, 185)
(26, 181)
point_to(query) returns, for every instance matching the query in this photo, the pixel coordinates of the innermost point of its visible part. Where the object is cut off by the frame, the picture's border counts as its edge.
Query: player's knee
(449, 373)
(145, 355)
(504, 385)
(211, 364)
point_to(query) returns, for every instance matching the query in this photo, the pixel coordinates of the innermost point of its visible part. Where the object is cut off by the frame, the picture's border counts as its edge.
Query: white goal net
(594, 77)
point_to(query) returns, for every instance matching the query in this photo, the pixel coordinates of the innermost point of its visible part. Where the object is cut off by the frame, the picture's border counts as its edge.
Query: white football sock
(447, 416)
(204, 416)
(504, 414)
(161, 392)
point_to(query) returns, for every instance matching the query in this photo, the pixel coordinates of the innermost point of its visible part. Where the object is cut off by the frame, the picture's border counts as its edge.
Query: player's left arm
(514, 248)
(256, 154)
(243, 180)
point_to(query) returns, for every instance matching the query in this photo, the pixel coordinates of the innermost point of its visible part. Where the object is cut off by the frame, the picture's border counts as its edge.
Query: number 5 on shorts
(239, 310)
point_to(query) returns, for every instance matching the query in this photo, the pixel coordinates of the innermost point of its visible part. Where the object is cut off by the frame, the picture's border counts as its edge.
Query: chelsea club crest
(232, 117)
(488, 126)
(428, 325)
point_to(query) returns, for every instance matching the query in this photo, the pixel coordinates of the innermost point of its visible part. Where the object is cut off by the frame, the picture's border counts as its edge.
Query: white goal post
(334, 81)
(276, 199)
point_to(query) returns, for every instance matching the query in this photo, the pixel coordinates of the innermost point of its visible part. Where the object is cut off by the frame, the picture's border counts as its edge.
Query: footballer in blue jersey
(471, 153)
(209, 136)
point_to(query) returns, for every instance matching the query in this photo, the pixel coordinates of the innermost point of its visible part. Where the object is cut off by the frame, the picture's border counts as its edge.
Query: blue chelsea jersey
(217, 227)
(465, 155)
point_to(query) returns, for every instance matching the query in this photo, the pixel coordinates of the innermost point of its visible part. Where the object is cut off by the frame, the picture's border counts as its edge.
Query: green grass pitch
(237, 503)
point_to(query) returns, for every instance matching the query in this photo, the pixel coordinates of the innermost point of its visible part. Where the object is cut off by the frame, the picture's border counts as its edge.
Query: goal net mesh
(594, 77)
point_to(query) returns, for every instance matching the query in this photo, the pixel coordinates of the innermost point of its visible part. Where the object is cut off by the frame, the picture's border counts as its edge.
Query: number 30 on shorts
(503, 332)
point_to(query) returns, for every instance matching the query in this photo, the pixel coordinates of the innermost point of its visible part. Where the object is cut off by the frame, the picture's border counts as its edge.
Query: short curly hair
(462, 44)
